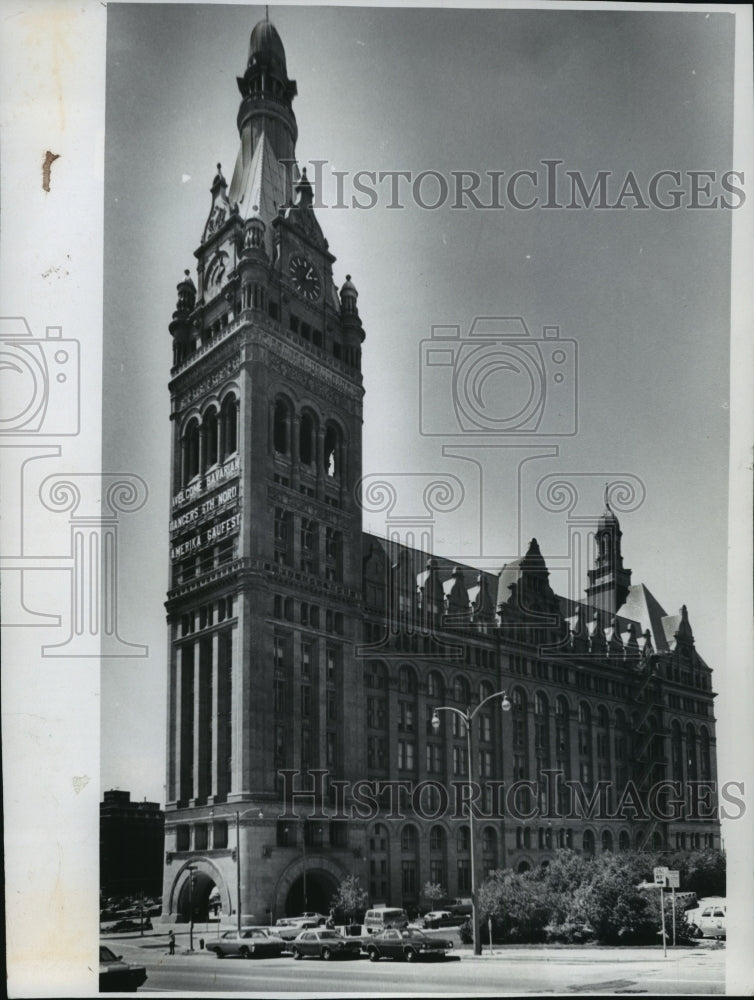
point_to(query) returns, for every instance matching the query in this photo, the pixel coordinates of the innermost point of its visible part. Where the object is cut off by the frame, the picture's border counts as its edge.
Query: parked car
(324, 943)
(252, 942)
(709, 918)
(384, 916)
(407, 944)
(290, 927)
(442, 918)
(117, 976)
(121, 926)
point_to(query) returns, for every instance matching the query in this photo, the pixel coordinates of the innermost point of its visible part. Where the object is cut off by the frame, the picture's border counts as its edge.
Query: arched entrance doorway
(323, 876)
(207, 896)
(312, 891)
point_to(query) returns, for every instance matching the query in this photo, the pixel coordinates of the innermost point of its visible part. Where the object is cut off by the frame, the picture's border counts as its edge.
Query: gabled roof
(643, 607)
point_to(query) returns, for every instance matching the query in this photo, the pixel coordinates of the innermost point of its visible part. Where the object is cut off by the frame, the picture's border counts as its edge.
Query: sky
(641, 296)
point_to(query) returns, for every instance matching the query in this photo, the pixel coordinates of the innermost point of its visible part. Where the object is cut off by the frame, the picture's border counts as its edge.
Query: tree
(616, 909)
(350, 897)
(433, 891)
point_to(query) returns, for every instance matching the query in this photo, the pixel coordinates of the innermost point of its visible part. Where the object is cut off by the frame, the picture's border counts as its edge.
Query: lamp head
(505, 703)
(435, 720)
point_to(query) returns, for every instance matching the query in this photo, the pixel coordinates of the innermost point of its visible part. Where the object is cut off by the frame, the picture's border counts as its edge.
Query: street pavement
(509, 970)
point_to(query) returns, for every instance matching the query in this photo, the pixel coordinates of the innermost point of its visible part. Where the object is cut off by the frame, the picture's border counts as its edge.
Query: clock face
(304, 277)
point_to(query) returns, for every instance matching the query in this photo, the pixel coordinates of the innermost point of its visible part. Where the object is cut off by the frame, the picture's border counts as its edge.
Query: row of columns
(201, 724)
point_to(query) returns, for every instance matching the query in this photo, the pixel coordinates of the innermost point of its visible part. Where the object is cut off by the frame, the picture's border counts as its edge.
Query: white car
(709, 918)
(289, 927)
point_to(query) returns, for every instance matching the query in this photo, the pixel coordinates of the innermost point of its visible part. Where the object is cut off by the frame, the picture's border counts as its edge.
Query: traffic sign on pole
(660, 875)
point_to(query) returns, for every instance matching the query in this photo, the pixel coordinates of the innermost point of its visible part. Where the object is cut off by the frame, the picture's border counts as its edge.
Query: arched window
(542, 726)
(281, 428)
(624, 840)
(378, 839)
(406, 680)
(435, 685)
(461, 690)
(409, 839)
(437, 839)
(676, 750)
(210, 433)
(489, 841)
(691, 752)
(229, 426)
(332, 456)
(607, 841)
(705, 762)
(463, 840)
(519, 718)
(191, 451)
(306, 439)
(588, 842)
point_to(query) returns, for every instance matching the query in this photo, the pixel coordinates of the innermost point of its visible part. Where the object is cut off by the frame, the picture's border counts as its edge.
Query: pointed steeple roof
(260, 186)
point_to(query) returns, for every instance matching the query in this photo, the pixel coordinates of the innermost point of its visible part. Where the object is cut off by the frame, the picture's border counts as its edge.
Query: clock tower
(265, 553)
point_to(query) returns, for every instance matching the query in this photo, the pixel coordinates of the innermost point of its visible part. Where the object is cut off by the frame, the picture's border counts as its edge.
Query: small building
(131, 845)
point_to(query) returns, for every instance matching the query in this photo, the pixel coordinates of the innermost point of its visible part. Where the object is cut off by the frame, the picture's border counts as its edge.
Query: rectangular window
(306, 659)
(333, 665)
(306, 748)
(405, 717)
(434, 758)
(306, 701)
(485, 763)
(333, 554)
(437, 872)
(332, 706)
(279, 746)
(330, 749)
(464, 877)
(405, 755)
(280, 696)
(485, 728)
(308, 546)
(376, 752)
(408, 878)
(460, 760)
(282, 536)
(375, 713)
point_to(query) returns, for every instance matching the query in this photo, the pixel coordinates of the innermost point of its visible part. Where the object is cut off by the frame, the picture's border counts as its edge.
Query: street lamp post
(468, 717)
(192, 875)
(260, 815)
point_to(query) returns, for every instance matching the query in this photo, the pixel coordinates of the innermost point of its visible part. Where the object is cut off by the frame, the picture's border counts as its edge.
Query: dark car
(117, 976)
(442, 918)
(408, 944)
(252, 942)
(323, 943)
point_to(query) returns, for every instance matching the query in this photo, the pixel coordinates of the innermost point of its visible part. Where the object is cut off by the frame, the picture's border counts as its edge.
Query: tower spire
(609, 581)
